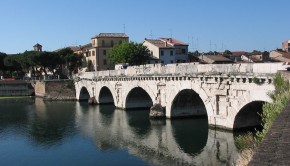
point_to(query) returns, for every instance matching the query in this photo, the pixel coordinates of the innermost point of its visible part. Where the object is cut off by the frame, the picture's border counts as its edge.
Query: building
(286, 46)
(280, 56)
(37, 47)
(166, 50)
(215, 59)
(96, 53)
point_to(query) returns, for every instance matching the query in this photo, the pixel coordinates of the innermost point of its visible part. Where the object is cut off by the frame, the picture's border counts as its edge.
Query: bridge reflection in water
(65, 133)
(162, 142)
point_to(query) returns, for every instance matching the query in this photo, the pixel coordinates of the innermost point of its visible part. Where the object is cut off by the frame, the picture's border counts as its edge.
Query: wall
(55, 90)
(16, 88)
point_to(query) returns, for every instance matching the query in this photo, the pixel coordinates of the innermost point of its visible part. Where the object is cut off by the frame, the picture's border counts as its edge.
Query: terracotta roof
(89, 45)
(238, 53)
(110, 35)
(159, 43)
(284, 54)
(173, 41)
(217, 58)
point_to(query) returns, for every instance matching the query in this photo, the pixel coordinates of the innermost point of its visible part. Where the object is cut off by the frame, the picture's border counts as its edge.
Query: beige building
(96, 53)
(286, 46)
(166, 50)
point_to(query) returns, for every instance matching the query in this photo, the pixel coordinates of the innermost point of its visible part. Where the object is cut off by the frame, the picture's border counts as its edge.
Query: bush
(280, 97)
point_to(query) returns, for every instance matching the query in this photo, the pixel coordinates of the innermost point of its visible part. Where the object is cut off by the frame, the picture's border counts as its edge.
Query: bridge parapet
(250, 69)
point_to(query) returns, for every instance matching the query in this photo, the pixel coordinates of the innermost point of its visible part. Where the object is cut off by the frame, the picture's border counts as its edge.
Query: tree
(2, 57)
(129, 52)
(195, 53)
(227, 52)
(69, 59)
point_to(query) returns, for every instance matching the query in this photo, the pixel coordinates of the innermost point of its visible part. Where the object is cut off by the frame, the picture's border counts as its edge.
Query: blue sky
(226, 24)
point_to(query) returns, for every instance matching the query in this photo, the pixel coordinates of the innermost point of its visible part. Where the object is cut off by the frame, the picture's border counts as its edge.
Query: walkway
(275, 148)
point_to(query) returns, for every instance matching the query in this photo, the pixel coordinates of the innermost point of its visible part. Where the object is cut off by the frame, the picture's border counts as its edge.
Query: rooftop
(217, 58)
(110, 35)
(166, 42)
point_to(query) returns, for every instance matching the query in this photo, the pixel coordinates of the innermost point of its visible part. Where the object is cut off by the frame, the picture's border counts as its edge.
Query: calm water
(33, 132)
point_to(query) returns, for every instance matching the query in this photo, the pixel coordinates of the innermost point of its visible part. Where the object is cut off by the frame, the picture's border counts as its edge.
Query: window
(171, 53)
(148, 62)
(105, 62)
(183, 51)
(171, 61)
(103, 43)
(156, 61)
(93, 53)
(151, 53)
(105, 52)
(94, 42)
(162, 53)
(162, 62)
(112, 43)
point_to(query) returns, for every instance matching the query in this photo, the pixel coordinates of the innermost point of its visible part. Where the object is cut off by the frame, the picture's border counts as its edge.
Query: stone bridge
(230, 95)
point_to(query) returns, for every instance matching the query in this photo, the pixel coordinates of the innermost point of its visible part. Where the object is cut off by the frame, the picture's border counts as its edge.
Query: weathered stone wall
(16, 88)
(55, 90)
(39, 88)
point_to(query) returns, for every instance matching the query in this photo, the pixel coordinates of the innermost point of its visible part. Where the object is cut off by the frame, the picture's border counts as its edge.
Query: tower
(37, 47)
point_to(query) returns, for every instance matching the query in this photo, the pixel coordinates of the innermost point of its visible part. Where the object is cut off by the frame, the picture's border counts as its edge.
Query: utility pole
(124, 28)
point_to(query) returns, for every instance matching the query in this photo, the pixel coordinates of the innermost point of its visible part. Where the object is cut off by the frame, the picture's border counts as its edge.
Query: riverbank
(55, 90)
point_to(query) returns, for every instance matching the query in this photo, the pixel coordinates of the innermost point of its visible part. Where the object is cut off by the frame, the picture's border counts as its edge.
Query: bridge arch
(187, 103)
(84, 94)
(249, 116)
(138, 98)
(106, 96)
(197, 90)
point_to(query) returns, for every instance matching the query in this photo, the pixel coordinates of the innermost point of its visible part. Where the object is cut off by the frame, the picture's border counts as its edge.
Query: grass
(246, 141)
(280, 98)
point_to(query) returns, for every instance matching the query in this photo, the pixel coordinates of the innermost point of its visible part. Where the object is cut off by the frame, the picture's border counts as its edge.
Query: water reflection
(51, 122)
(186, 141)
(50, 125)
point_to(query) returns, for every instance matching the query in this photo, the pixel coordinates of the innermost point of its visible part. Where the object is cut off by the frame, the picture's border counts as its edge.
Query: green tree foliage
(2, 57)
(69, 59)
(227, 52)
(195, 53)
(129, 52)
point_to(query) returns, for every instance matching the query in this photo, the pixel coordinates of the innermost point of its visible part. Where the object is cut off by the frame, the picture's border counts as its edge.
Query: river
(34, 132)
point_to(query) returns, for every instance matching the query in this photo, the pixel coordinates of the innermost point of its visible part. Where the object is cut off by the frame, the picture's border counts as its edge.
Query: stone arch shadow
(138, 98)
(84, 94)
(249, 116)
(106, 95)
(188, 103)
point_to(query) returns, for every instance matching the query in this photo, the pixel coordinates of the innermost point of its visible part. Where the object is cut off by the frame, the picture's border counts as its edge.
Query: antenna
(197, 44)
(124, 28)
(151, 35)
(170, 33)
